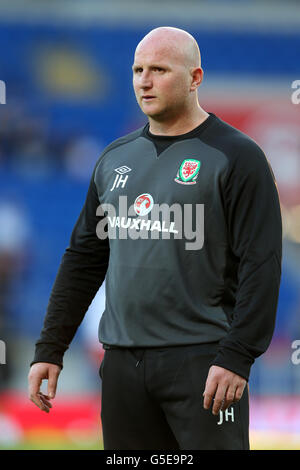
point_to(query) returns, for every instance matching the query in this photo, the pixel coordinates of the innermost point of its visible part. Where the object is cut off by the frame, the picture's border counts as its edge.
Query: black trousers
(153, 399)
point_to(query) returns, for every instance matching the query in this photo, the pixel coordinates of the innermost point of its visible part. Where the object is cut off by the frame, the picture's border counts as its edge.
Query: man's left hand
(223, 388)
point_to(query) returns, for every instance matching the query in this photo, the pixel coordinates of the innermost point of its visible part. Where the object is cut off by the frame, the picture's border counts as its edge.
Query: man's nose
(145, 80)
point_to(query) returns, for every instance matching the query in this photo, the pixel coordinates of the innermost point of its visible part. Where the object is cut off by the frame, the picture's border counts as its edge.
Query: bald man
(172, 106)
(182, 218)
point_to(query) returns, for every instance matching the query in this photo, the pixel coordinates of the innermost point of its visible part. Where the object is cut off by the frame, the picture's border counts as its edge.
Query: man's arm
(81, 273)
(255, 235)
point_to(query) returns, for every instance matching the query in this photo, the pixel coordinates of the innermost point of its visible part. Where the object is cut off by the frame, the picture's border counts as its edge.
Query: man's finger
(229, 397)
(209, 393)
(233, 395)
(37, 400)
(34, 390)
(34, 385)
(45, 400)
(239, 392)
(219, 399)
(52, 383)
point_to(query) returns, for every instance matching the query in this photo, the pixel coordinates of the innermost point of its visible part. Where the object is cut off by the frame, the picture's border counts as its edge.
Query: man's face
(161, 80)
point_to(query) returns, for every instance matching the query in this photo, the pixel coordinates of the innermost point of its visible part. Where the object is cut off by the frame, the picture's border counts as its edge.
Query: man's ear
(197, 77)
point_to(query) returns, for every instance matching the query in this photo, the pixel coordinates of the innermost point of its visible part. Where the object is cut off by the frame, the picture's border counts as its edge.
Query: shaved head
(173, 41)
(166, 75)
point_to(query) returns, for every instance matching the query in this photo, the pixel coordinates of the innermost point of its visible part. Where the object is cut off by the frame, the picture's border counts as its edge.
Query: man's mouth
(148, 97)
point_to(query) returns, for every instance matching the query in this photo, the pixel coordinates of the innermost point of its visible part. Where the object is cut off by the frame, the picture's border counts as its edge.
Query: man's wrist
(45, 353)
(234, 361)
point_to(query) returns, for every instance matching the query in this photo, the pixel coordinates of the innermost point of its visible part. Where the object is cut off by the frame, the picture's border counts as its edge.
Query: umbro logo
(122, 169)
(119, 179)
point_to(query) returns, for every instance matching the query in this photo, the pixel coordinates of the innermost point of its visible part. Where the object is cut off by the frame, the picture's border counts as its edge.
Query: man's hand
(38, 372)
(223, 388)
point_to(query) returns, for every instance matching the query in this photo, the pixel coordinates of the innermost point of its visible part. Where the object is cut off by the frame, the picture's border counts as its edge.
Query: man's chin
(154, 113)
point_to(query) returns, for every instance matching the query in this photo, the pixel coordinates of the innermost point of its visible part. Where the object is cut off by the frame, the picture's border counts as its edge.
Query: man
(182, 319)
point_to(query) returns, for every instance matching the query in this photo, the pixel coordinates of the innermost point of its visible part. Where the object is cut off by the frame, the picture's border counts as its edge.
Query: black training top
(189, 237)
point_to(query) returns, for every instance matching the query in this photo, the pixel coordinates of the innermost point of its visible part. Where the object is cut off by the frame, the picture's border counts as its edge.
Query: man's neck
(179, 126)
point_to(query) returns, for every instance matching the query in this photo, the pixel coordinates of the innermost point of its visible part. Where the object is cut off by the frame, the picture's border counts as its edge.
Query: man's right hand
(38, 372)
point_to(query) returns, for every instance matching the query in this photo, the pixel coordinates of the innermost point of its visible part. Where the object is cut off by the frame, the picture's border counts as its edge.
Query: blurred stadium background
(67, 70)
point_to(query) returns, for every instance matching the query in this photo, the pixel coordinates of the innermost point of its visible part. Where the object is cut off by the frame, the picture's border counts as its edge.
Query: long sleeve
(255, 236)
(81, 272)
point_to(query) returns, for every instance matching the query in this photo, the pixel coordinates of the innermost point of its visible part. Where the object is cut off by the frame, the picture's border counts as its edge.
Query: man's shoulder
(244, 155)
(231, 136)
(236, 145)
(125, 139)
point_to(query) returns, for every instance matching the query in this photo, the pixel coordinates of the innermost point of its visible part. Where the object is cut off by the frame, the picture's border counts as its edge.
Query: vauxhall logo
(182, 221)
